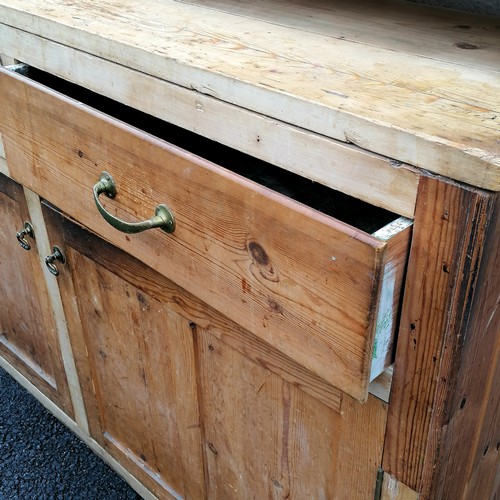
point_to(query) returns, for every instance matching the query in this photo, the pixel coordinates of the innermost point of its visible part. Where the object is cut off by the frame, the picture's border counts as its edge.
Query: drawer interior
(350, 210)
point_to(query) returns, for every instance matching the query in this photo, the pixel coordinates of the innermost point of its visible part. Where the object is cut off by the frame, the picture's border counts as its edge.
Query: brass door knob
(26, 231)
(56, 255)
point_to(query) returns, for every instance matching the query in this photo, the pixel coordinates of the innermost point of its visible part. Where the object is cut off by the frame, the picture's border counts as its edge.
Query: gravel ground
(41, 459)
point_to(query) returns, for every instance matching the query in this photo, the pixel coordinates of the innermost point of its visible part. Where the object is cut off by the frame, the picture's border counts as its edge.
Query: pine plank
(447, 250)
(385, 24)
(136, 360)
(265, 438)
(428, 112)
(344, 167)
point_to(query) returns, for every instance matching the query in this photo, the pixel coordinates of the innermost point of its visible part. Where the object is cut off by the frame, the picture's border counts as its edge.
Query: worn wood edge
(381, 386)
(335, 164)
(392, 489)
(471, 164)
(414, 433)
(473, 415)
(44, 248)
(79, 432)
(389, 297)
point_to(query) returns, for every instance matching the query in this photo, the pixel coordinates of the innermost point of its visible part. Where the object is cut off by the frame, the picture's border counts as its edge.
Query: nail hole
(467, 46)
(486, 449)
(446, 269)
(211, 347)
(413, 326)
(462, 404)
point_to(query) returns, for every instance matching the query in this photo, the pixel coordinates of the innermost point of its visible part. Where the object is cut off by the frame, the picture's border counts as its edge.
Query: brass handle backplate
(163, 218)
(56, 255)
(21, 235)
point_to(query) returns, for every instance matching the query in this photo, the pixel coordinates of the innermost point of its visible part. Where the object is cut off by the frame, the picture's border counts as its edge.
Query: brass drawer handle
(55, 255)
(163, 217)
(21, 235)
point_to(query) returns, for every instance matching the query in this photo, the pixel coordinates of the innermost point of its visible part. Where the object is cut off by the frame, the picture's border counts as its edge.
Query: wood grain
(185, 304)
(136, 359)
(241, 248)
(311, 155)
(265, 438)
(447, 250)
(28, 339)
(472, 439)
(420, 109)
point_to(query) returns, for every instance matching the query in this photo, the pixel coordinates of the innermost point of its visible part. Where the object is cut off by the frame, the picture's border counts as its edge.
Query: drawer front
(322, 292)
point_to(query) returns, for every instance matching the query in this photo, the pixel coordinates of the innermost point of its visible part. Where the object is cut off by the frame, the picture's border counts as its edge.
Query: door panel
(28, 339)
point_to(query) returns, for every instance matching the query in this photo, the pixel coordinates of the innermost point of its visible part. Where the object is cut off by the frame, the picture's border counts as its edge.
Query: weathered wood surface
(265, 438)
(446, 254)
(472, 439)
(424, 109)
(28, 338)
(293, 148)
(262, 435)
(135, 357)
(302, 281)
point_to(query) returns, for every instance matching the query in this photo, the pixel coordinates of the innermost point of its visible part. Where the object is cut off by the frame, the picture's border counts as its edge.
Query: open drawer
(323, 288)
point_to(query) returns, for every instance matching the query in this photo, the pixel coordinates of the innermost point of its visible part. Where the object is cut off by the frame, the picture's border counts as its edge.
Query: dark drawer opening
(345, 208)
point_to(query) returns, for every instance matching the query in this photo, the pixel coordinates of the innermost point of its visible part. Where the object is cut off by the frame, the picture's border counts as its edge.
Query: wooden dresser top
(415, 84)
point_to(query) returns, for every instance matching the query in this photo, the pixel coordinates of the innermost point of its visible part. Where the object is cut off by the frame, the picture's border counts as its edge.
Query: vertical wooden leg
(448, 249)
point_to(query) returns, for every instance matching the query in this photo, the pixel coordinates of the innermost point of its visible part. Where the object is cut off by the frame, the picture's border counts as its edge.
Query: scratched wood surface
(447, 251)
(165, 378)
(135, 358)
(278, 268)
(28, 339)
(422, 108)
(472, 441)
(265, 438)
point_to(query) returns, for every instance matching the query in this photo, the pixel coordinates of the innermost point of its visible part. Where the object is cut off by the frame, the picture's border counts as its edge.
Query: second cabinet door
(135, 358)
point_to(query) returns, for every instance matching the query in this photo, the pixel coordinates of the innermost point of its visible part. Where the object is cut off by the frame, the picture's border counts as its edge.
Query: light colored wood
(64, 345)
(138, 356)
(381, 386)
(447, 249)
(428, 112)
(77, 430)
(4, 169)
(28, 339)
(386, 24)
(242, 248)
(6, 60)
(392, 489)
(341, 166)
(265, 438)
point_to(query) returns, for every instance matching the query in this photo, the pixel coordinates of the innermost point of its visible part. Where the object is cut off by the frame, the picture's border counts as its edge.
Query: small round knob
(21, 235)
(56, 255)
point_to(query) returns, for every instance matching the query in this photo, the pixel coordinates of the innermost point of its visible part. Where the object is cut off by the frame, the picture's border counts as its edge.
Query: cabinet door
(28, 339)
(192, 403)
(134, 353)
